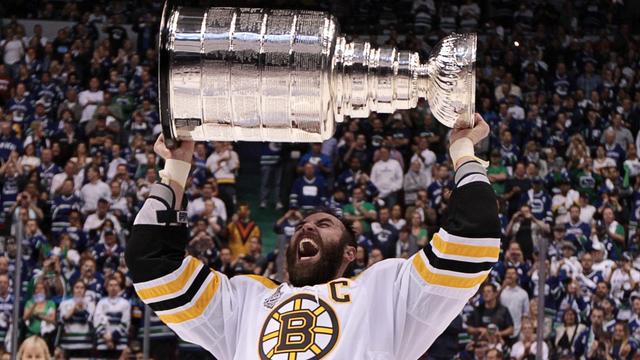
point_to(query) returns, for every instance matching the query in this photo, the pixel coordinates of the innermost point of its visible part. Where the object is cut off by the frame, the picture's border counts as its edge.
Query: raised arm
(178, 288)
(423, 294)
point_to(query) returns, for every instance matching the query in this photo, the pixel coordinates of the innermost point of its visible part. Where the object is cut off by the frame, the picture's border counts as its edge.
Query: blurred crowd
(558, 82)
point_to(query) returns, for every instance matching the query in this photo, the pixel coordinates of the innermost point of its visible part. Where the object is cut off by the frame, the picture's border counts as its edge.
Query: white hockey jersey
(112, 315)
(77, 327)
(393, 310)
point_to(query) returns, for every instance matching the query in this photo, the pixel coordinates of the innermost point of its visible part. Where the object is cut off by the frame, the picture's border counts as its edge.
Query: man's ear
(349, 254)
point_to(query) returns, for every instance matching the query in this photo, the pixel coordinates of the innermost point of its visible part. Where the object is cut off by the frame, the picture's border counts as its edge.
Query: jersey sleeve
(420, 296)
(192, 299)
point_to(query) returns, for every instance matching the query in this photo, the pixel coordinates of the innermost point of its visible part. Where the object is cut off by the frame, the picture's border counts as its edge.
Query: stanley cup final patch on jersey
(271, 301)
(302, 327)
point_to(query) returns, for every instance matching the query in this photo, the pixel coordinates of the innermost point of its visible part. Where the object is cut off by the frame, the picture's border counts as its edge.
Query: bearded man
(393, 310)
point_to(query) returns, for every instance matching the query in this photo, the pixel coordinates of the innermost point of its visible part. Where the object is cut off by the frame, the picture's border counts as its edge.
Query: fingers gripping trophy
(235, 74)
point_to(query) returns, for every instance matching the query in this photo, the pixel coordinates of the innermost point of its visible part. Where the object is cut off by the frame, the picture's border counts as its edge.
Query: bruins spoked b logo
(301, 328)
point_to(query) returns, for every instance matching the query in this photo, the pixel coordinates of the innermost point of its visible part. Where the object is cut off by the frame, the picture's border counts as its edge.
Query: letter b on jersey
(295, 331)
(300, 328)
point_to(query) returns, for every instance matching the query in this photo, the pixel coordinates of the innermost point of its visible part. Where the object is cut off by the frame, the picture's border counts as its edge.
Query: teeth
(304, 241)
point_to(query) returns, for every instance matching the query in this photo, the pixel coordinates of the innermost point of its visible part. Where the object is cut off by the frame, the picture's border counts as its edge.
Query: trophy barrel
(244, 74)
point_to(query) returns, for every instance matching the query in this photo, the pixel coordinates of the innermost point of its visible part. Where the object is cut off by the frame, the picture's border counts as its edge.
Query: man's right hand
(184, 152)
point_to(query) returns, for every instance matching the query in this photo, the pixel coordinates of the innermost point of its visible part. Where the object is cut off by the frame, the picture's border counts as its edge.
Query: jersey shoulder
(253, 282)
(384, 268)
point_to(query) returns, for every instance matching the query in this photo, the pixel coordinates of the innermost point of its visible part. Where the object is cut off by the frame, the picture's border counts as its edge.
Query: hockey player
(393, 310)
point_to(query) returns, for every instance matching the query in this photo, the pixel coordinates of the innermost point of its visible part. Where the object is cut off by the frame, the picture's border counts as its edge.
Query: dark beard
(322, 272)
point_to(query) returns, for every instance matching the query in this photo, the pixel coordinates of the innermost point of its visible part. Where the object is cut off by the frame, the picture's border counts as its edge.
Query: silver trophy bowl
(247, 74)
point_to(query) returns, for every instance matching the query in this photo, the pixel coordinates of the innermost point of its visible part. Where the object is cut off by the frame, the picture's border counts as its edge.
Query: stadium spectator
(567, 332)
(108, 253)
(197, 207)
(6, 305)
(309, 191)
(514, 298)
(526, 347)
(359, 209)
(241, 230)
(94, 190)
(491, 312)
(223, 164)
(320, 161)
(111, 320)
(76, 314)
(40, 315)
(93, 280)
(384, 235)
(95, 221)
(33, 347)
(414, 180)
(63, 204)
(406, 245)
(90, 99)
(270, 174)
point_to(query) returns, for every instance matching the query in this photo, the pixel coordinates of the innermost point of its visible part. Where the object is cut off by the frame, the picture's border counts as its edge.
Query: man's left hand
(479, 131)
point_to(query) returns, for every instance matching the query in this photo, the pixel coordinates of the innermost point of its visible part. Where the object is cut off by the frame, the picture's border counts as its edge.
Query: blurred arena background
(558, 81)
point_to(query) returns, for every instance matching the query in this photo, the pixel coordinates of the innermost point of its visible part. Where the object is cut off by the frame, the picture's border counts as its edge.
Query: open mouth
(307, 249)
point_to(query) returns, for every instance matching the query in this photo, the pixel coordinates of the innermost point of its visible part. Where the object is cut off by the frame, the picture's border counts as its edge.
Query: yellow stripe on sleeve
(444, 280)
(474, 251)
(198, 308)
(172, 286)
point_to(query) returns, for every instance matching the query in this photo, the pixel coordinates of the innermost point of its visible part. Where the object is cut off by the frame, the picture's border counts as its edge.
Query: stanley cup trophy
(246, 74)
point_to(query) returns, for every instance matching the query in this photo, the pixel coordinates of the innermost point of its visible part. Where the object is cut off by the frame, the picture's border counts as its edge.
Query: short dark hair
(606, 283)
(511, 268)
(490, 284)
(111, 278)
(596, 308)
(81, 282)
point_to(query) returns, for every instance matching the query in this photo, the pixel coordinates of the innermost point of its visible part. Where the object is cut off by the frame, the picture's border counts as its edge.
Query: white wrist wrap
(463, 147)
(175, 170)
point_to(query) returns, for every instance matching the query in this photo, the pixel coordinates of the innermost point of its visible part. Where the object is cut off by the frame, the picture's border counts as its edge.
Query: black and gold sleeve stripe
(181, 295)
(462, 253)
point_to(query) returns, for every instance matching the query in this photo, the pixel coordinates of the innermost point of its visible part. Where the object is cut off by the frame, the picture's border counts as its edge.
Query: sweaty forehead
(323, 216)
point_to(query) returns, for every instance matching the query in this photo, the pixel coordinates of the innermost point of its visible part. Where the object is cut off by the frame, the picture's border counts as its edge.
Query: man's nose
(308, 226)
